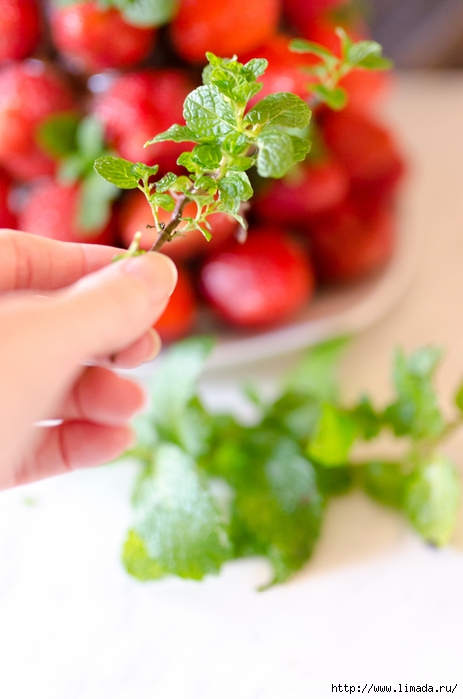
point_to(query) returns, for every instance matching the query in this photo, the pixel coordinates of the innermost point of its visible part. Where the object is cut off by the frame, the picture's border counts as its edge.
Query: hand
(63, 305)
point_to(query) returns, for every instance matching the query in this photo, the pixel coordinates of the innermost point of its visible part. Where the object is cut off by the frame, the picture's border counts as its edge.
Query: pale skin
(66, 316)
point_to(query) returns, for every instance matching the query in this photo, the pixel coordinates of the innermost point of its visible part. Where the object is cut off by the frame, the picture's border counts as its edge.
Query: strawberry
(365, 148)
(19, 28)
(139, 105)
(306, 191)
(135, 215)
(30, 92)
(93, 38)
(260, 283)
(301, 12)
(347, 244)
(7, 218)
(225, 28)
(52, 211)
(180, 314)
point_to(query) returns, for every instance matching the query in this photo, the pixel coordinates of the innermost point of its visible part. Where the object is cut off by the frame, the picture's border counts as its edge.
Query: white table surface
(375, 605)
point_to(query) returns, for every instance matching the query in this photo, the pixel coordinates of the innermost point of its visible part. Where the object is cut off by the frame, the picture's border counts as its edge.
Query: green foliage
(280, 471)
(432, 498)
(229, 141)
(330, 69)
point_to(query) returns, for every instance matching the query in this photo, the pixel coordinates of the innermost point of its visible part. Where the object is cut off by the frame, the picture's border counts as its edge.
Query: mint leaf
(301, 147)
(165, 201)
(207, 157)
(415, 412)
(208, 114)
(176, 133)
(361, 50)
(431, 500)
(90, 137)
(316, 374)
(335, 97)
(166, 182)
(233, 189)
(385, 482)
(170, 409)
(94, 209)
(118, 171)
(56, 135)
(137, 561)
(375, 63)
(292, 478)
(303, 46)
(280, 109)
(275, 156)
(256, 67)
(177, 518)
(147, 13)
(333, 438)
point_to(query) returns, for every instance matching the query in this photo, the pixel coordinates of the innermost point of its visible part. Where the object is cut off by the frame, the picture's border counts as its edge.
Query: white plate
(338, 311)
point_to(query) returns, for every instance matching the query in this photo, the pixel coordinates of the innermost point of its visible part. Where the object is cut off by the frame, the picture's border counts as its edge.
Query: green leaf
(256, 67)
(275, 156)
(117, 171)
(333, 438)
(236, 143)
(280, 109)
(385, 482)
(346, 42)
(233, 189)
(165, 201)
(177, 518)
(90, 137)
(361, 50)
(147, 13)
(459, 399)
(316, 373)
(170, 408)
(416, 411)
(206, 184)
(94, 209)
(56, 135)
(166, 182)
(301, 147)
(137, 561)
(375, 63)
(208, 114)
(207, 157)
(368, 420)
(292, 478)
(144, 172)
(303, 46)
(336, 98)
(176, 133)
(432, 498)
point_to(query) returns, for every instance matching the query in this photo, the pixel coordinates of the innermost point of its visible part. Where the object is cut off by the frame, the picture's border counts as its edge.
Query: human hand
(63, 305)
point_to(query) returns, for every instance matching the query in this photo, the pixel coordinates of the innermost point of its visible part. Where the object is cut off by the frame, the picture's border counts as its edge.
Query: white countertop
(375, 605)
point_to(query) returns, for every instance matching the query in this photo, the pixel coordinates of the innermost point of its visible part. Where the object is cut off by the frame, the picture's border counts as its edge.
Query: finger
(31, 262)
(142, 350)
(106, 312)
(70, 446)
(100, 396)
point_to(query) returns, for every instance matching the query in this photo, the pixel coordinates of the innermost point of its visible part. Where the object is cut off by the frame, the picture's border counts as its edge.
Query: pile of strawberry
(80, 79)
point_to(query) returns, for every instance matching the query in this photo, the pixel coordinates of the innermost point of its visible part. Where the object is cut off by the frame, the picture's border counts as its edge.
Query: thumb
(111, 308)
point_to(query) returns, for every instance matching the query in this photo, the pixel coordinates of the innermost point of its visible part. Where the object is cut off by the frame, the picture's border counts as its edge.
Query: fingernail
(157, 345)
(157, 272)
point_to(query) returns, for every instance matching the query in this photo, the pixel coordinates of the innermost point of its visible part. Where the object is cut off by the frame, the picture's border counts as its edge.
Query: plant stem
(166, 234)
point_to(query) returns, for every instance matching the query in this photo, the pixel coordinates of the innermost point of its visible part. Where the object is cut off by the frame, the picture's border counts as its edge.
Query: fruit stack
(81, 79)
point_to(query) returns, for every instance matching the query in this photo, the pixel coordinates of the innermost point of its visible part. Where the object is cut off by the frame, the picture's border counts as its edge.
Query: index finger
(32, 262)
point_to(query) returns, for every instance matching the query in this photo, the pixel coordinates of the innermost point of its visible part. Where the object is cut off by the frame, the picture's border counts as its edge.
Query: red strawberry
(180, 314)
(19, 28)
(93, 38)
(7, 218)
(306, 191)
(261, 282)
(137, 106)
(301, 12)
(135, 215)
(52, 211)
(347, 245)
(225, 28)
(30, 92)
(366, 149)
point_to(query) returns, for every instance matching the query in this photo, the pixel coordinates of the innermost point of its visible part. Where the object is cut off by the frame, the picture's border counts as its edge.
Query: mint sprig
(229, 139)
(279, 473)
(331, 69)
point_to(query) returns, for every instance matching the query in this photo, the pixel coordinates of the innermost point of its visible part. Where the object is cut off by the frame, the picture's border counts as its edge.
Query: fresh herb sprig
(212, 489)
(331, 69)
(229, 140)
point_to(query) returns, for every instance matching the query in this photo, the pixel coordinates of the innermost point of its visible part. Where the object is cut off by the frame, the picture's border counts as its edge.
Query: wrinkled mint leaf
(280, 109)
(432, 498)
(208, 114)
(275, 156)
(176, 133)
(177, 519)
(118, 171)
(207, 157)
